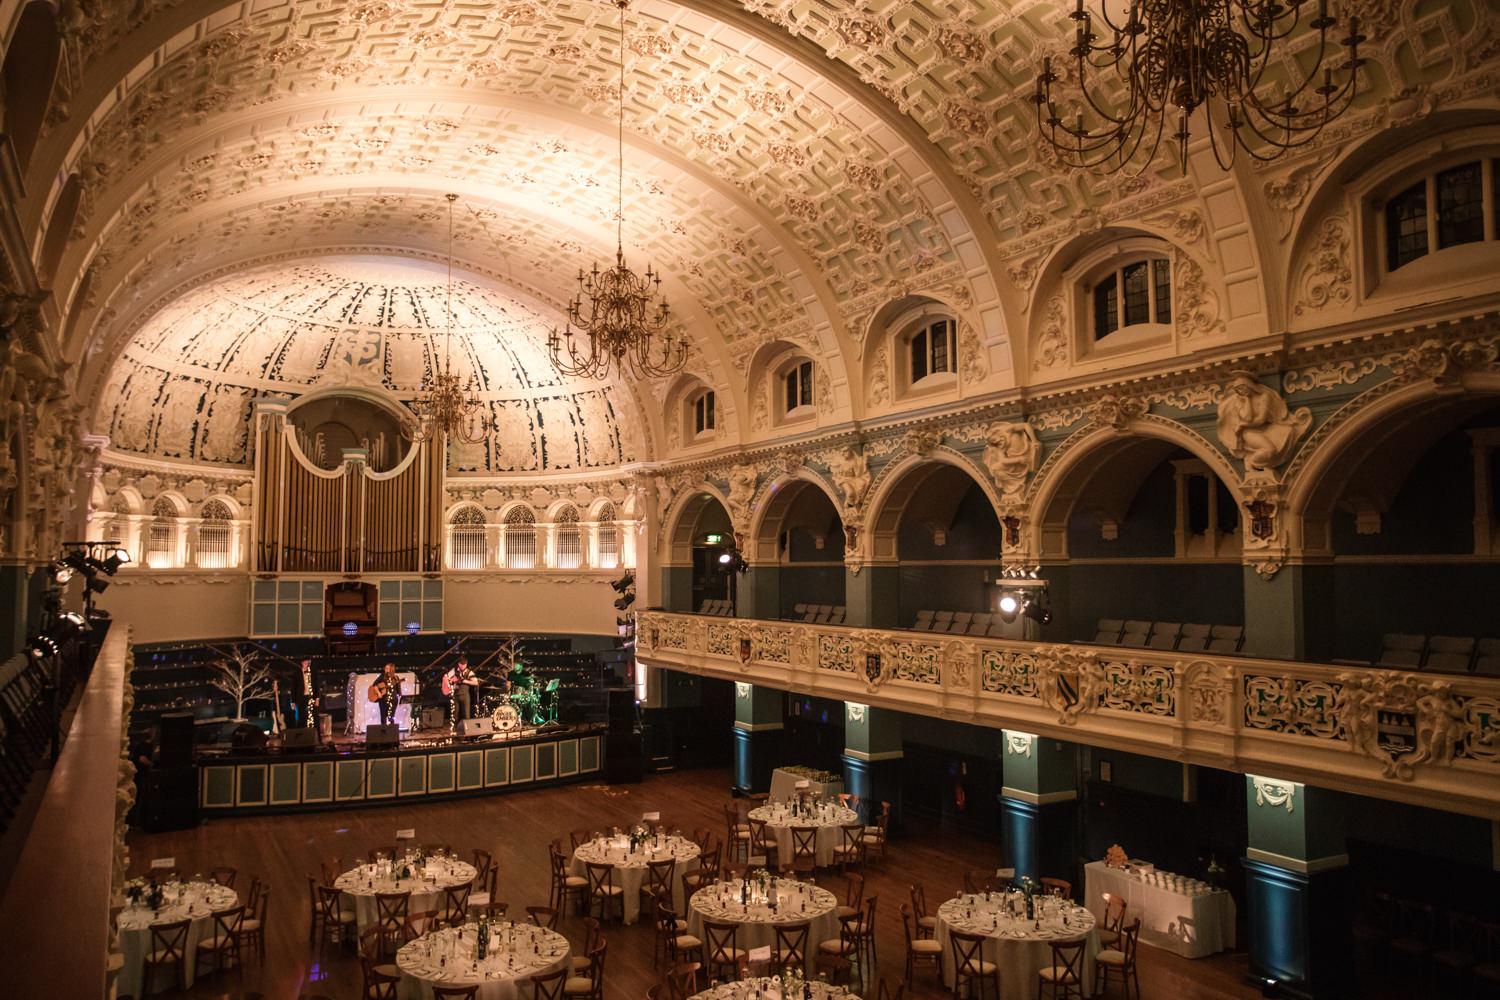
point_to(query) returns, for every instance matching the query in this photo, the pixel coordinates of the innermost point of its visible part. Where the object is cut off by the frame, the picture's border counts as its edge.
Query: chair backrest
(907, 920)
(1449, 653)
(853, 834)
(919, 900)
(979, 880)
(419, 923)
(1135, 633)
(1057, 886)
(543, 916)
(1401, 650)
(1114, 911)
(1194, 637)
(601, 877)
(579, 838)
(482, 862)
(228, 923)
(328, 903)
(854, 890)
(804, 847)
(659, 877)
(169, 941)
(791, 944)
(1129, 938)
(692, 882)
(455, 992)
(391, 909)
(1068, 955)
(720, 941)
(682, 980)
(224, 876)
(550, 986)
(966, 949)
(456, 903)
(942, 616)
(377, 985)
(1164, 635)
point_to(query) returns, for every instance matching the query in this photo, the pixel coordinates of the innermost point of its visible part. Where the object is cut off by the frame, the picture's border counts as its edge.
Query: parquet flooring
(516, 828)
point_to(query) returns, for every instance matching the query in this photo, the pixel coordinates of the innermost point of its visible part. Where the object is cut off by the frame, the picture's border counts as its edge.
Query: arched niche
(30, 73)
(797, 521)
(327, 423)
(59, 229)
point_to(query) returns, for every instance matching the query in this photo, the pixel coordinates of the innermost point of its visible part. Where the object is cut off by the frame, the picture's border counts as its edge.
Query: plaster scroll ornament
(851, 474)
(1011, 453)
(741, 492)
(1256, 426)
(880, 380)
(920, 442)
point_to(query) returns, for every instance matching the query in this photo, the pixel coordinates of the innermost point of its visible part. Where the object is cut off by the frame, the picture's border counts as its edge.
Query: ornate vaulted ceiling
(185, 385)
(794, 165)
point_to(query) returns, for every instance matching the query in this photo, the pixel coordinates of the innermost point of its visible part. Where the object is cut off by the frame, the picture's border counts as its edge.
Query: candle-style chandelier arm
(1172, 57)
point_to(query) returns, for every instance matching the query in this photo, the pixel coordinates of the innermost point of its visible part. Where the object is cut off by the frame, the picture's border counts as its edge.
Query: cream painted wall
(163, 607)
(581, 605)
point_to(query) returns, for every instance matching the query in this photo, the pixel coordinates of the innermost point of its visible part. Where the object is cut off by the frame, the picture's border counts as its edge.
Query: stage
(430, 764)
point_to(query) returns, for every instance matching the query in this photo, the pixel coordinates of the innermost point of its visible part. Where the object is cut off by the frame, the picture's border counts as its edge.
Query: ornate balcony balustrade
(1427, 738)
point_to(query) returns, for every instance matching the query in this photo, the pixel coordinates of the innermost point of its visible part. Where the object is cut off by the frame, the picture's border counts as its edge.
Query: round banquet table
(1018, 946)
(769, 988)
(360, 886)
(830, 819)
(632, 869)
(517, 951)
(796, 902)
(196, 901)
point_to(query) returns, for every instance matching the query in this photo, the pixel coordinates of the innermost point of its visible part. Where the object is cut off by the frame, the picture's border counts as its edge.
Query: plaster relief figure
(1256, 426)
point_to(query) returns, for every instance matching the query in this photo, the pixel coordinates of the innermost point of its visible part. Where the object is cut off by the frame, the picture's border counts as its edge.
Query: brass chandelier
(1171, 57)
(447, 407)
(616, 309)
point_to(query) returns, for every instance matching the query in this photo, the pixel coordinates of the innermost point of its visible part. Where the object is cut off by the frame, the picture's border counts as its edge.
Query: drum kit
(522, 703)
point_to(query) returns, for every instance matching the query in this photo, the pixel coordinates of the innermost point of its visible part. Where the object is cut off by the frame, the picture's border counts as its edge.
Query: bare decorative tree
(242, 676)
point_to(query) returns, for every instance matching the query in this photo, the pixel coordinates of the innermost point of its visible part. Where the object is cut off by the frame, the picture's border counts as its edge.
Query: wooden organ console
(348, 519)
(349, 617)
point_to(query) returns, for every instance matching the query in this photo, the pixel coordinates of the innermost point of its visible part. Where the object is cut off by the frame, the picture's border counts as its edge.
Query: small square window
(1106, 307)
(1406, 226)
(1460, 198)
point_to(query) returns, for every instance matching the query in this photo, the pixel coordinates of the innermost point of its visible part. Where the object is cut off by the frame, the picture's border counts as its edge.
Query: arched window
(1467, 207)
(569, 539)
(161, 541)
(216, 536)
(930, 350)
(797, 388)
(703, 416)
(115, 532)
(520, 538)
(466, 541)
(1133, 293)
(608, 556)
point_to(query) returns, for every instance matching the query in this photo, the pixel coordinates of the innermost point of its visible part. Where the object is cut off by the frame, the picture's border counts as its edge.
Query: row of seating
(724, 609)
(960, 622)
(1416, 949)
(1450, 654)
(1170, 635)
(831, 614)
(26, 723)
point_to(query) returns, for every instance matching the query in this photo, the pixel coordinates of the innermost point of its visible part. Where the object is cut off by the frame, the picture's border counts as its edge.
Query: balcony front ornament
(1070, 681)
(1399, 720)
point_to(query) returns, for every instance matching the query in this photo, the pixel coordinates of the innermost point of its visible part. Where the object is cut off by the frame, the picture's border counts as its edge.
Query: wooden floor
(516, 828)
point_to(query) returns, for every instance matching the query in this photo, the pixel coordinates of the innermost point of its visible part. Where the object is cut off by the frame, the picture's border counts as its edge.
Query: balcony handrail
(1428, 738)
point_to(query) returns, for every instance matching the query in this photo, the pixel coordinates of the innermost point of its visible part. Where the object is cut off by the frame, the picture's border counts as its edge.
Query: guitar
(451, 681)
(378, 689)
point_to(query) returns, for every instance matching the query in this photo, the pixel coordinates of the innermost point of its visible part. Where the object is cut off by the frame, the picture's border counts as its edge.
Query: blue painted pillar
(1297, 887)
(758, 593)
(1039, 806)
(873, 752)
(872, 597)
(676, 592)
(1289, 616)
(758, 725)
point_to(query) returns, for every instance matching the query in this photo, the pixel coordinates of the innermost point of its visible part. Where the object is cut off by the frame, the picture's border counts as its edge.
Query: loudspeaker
(176, 746)
(301, 738)
(171, 799)
(385, 737)
(624, 758)
(621, 710)
(433, 718)
(476, 727)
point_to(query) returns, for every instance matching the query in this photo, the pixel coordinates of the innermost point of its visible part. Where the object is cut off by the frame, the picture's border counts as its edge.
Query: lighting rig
(625, 587)
(732, 561)
(1023, 592)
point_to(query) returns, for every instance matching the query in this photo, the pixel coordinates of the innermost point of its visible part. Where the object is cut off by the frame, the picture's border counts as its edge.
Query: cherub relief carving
(1256, 426)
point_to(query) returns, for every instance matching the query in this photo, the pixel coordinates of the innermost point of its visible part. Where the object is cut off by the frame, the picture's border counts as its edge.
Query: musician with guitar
(458, 685)
(386, 692)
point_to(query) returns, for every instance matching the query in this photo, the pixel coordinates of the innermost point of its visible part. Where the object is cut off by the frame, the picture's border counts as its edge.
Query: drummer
(459, 683)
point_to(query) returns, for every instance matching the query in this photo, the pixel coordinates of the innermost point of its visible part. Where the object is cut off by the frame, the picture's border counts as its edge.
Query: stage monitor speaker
(476, 727)
(176, 746)
(300, 738)
(385, 737)
(171, 799)
(624, 758)
(622, 710)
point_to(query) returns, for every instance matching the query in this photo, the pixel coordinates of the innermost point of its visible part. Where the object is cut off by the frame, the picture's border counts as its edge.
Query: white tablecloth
(631, 869)
(829, 820)
(197, 902)
(767, 988)
(1017, 946)
(1192, 925)
(517, 952)
(361, 885)
(784, 785)
(796, 902)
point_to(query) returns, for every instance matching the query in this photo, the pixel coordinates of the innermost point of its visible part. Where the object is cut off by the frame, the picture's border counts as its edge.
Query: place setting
(494, 956)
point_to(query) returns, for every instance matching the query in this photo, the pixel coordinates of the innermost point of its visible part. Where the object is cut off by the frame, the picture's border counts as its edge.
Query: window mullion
(1487, 195)
(1432, 213)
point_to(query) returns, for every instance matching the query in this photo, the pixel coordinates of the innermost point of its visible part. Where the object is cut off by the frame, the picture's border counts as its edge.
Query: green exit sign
(713, 539)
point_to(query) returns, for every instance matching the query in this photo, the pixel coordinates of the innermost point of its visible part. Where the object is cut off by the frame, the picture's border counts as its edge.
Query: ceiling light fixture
(616, 309)
(448, 407)
(1171, 57)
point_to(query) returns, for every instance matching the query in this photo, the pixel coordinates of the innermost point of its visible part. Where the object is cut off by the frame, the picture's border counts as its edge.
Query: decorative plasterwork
(1274, 793)
(855, 711)
(1019, 744)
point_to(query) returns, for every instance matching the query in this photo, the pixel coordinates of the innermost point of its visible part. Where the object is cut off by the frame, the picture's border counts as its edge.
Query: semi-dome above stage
(184, 385)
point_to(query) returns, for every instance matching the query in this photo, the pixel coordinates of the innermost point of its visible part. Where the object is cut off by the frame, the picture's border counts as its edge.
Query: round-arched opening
(1141, 544)
(802, 535)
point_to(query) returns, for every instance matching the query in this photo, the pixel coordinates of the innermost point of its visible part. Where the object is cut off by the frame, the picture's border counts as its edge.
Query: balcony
(1424, 738)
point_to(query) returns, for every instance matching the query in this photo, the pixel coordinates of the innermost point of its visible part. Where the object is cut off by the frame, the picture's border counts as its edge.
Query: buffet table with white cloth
(1020, 947)
(427, 885)
(632, 867)
(1178, 914)
(446, 958)
(770, 988)
(722, 903)
(829, 819)
(195, 901)
(784, 785)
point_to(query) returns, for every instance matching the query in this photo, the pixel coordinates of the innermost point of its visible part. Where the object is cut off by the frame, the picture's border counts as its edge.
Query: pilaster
(1039, 805)
(873, 597)
(873, 751)
(758, 725)
(758, 592)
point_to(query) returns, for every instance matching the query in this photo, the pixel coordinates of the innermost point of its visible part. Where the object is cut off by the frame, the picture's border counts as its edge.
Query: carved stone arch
(59, 229)
(235, 508)
(681, 390)
(892, 492)
(1071, 467)
(557, 511)
(884, 367)
(767, 364)
(772, 503)
(1399, 419)
(172, 498)
(463, 511)
(134, 502)
(682, 517)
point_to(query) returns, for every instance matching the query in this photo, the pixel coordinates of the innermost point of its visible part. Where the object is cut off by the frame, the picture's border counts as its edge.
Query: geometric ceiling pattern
(187, 382)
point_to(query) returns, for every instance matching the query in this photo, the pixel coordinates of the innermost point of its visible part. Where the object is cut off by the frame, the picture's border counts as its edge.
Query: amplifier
(476, 727)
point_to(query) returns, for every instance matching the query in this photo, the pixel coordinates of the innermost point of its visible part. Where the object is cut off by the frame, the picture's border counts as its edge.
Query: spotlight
(624, 603)
(726, 557)
(624, 583)
(41, 646)
(97, 585)
(115, 559)
(1009, 605)
(61, 572)
(69, 625)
